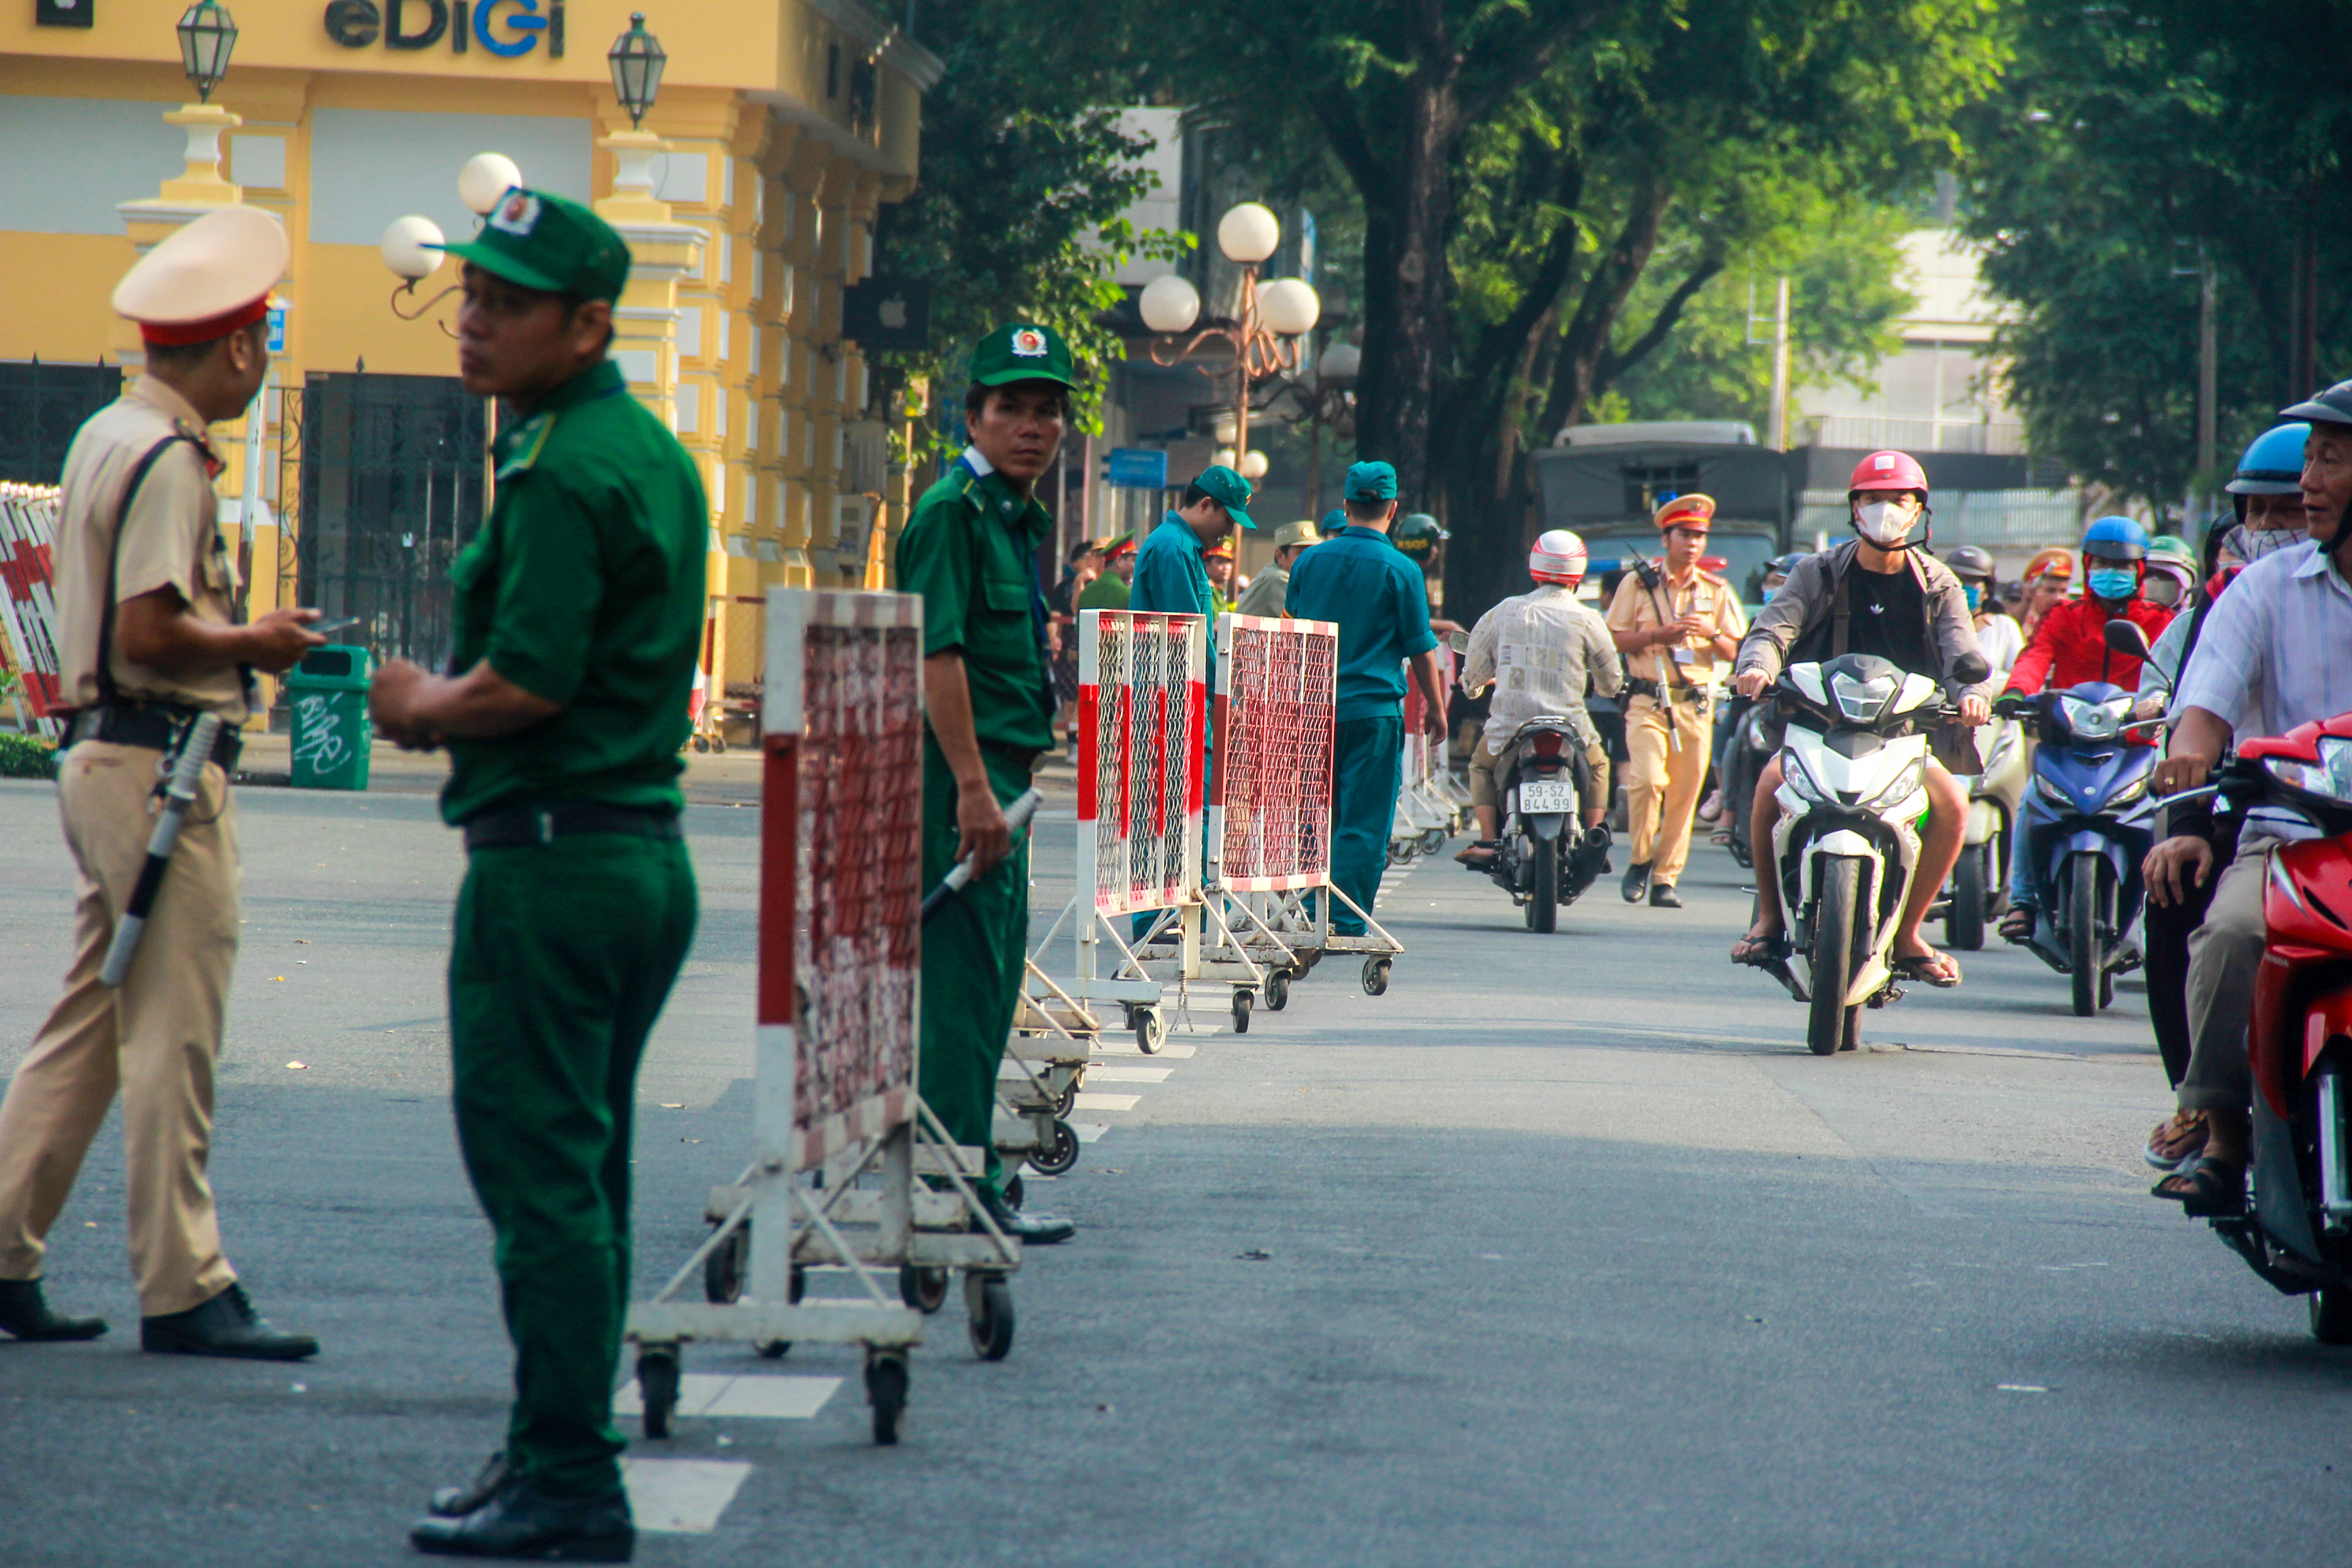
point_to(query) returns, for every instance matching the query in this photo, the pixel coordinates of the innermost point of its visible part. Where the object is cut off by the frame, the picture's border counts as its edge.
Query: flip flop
(2188, 1124)
(1931, 968)
(2214, 1188)
(1763, 951)
(2017, 926)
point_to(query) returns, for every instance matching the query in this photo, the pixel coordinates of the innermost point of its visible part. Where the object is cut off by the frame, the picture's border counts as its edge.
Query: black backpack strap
(1840, 612)
(107, 695)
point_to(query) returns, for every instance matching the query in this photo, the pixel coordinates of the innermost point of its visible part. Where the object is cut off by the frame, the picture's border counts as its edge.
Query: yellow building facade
(781, 128)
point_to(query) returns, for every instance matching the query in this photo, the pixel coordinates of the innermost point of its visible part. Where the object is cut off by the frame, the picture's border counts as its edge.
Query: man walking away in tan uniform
(1673, 626)
(149, 644)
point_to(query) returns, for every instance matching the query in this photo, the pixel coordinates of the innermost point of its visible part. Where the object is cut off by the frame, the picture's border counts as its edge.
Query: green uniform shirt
(971, 552)
(585, 587)
(1107, 592)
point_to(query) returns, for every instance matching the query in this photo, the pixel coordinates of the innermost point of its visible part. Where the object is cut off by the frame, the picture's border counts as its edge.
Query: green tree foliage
(2132, 144)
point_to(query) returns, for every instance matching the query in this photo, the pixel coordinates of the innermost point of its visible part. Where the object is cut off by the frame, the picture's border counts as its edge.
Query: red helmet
(1558, 557)
(1888, 471)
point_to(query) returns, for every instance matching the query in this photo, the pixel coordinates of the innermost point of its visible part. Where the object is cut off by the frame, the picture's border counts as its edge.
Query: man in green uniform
(1364, 583)
(971, 552)
(579, 611)
(1109, 590)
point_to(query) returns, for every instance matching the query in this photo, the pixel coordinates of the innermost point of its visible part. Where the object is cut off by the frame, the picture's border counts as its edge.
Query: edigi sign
(507, 28)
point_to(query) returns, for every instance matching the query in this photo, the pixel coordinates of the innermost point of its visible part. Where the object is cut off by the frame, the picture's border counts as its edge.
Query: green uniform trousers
(975, 951)
(564, 954)
(1367, 770)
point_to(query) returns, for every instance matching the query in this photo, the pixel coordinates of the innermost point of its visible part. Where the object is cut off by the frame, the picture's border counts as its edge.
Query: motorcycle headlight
(2053, 793)
(2330, 776)
(2132, 790)
(1861, 701)
(1906, 784)
(1793, 771)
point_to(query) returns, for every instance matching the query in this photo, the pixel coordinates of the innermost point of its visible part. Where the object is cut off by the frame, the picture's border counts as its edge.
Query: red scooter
(2296, 1232)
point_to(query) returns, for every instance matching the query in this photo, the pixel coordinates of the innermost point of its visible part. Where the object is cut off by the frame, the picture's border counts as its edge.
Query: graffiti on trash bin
(322, 746)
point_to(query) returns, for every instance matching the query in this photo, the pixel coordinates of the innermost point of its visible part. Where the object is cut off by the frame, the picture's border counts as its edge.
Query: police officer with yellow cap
(149, 641)
(579, 612)
(1673, 624)
(969, 550)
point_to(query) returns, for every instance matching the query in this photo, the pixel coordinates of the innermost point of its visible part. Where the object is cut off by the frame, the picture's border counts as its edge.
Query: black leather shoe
(518, 1521)
(25, 1316)
(455, 1503)
(1031, 1229)
(1661, 897)
(1637, 882)
(225, 1326)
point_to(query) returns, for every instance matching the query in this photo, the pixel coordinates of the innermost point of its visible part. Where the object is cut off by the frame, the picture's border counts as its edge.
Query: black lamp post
(637, 60)
(207, 37)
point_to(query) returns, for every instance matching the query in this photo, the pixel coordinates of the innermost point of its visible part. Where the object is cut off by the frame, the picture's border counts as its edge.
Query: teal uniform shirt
(1376, 595)
(1171, 580)
(585, 587)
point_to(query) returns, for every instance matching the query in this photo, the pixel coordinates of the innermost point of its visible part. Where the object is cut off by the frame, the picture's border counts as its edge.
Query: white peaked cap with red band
(206, 279)
(1558, 557)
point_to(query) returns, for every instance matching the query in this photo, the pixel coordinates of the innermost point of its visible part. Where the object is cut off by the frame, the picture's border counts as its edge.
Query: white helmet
(1558, 557)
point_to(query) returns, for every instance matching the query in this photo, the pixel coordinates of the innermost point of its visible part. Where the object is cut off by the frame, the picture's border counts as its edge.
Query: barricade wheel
(1060, 1155)
(658, 1387)
(1151, 1029)
(722, 1271)
(719, 743)
(886, 1391)
(1066, 1098)
(703, 742)
(989, 1299)
(925, 1289)
(1376, 976)
(1432, 840)
(1277, 991)
(1400, 851)
(1243, 1001)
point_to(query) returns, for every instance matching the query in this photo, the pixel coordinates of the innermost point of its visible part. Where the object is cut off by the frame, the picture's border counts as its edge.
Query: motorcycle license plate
(1543, 795)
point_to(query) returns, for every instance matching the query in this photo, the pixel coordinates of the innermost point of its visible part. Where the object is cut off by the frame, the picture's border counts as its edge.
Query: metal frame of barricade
(1270, 820)
(28, 603)
(1431, 807)
(842, 1138)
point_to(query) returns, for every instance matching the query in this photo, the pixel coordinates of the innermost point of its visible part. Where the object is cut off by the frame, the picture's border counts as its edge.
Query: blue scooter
(2088, 824)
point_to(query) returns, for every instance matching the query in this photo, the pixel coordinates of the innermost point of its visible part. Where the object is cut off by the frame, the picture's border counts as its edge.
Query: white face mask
(1885, 522)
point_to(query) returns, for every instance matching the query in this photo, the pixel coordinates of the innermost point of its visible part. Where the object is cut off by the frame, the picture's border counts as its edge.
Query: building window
(41, 407)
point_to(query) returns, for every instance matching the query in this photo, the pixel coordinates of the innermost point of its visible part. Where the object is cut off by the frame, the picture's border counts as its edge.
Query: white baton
(178, 795)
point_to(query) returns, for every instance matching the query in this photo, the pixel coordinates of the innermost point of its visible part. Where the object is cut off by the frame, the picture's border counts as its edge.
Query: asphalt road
(1564, 1251)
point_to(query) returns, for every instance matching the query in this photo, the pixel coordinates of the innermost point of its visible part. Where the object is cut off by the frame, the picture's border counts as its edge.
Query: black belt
(514, 825)
(156, 727)
(1635, 686)
(1022, 757)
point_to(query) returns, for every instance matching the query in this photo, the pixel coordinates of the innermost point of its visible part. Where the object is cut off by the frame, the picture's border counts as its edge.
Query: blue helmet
(2272, 466)
(2115, 539)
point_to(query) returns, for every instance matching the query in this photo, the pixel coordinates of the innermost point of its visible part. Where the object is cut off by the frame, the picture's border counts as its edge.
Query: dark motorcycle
(1545, 861)
(1743, 763)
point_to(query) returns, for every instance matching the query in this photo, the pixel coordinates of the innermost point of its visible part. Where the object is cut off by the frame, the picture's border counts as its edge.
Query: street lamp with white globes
(1265, 340)
(411, 246)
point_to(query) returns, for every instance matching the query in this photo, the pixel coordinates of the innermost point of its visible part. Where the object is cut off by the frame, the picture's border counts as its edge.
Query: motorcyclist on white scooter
(1873, 595)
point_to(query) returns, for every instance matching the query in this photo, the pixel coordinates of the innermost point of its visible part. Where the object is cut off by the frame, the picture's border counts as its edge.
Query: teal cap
(1372, 481)
(550, 244)
(1334, 521)
(1022, 351)
(1230, 489)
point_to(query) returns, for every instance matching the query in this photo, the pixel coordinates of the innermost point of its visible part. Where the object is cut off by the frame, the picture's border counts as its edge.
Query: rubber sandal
(2186, 1125)
(2215, 1189)
(2017, 926)
(1763, 951)
(1929, 968)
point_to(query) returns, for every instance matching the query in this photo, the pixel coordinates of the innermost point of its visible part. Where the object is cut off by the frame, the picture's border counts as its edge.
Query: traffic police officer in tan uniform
(149, 641)
(1674, 625)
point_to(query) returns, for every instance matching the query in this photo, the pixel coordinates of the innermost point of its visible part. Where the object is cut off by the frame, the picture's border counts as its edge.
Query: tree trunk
(1404, 288)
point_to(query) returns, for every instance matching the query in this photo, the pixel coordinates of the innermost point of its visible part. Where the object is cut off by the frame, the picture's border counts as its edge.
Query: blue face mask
(1973, 592)
(2113, 584)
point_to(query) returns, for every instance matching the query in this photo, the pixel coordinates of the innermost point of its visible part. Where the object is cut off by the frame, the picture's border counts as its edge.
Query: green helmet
(1417, 534)
(2173, 548)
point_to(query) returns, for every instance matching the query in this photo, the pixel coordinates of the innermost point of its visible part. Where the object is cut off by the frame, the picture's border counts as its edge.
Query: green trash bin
(326, 696)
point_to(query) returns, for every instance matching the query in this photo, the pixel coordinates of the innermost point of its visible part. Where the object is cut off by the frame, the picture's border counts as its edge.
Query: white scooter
(1852, 796)
(1979, 890)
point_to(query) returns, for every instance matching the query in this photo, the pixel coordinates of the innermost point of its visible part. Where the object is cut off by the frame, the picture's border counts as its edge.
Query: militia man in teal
(579, 613)
(970, 550)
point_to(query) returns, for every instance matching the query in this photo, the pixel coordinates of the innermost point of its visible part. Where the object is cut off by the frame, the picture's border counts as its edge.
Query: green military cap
(546, 242)
(1230, 489)
(1022, 351)
(1372, 481)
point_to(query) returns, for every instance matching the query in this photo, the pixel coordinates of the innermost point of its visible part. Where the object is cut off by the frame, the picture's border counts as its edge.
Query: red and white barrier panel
(1142, 716)
(840, 870)
(1423, 762)
(1277, 696)
(28, 601)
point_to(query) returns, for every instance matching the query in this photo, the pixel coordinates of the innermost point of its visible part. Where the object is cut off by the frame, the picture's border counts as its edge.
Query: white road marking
(724, 1395)
(1106, 1074)
(1107, 1102)
(681, 1497)
(1088, 1131)
(1113, 1047)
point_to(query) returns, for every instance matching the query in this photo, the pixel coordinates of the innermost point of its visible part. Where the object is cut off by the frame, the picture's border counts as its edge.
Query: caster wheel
(1432, 841)
(1241, 1002)
(1376, 976)
(658, 1387)
(722, 1271)
(701, 743)
(1277, 991)
(925, 1289)
(773, 1350)
(989, 1299)
(886, 1391)
(719, 743)
(1067, 1100)
(1060, 1155)
(1151, 1030)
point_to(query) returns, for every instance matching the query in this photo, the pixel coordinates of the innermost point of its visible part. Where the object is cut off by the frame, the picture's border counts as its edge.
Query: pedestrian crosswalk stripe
(1115, 1048)
(681, 1497)
(1106, 1074)
(1107, 1102)
(1088, 1131)
(723, 1394)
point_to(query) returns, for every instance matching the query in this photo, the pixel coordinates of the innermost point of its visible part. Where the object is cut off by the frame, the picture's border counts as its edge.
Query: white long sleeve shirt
(1538, 652)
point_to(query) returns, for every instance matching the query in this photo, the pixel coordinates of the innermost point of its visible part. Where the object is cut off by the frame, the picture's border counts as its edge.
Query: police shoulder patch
(525, 444)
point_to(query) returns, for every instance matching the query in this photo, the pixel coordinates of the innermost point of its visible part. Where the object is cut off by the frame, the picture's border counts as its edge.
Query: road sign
(1139, 469)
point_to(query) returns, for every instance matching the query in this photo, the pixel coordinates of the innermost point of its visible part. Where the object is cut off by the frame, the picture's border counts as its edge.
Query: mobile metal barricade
(1431, 804)
(29, 603)
(843, 1141)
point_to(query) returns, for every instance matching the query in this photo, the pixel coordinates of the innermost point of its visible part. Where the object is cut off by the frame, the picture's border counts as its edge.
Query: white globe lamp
(486, 177)
(1222, 457)
(411, 246)
(1249, 233)
(1288, 307)
(1169, 304)
(1252, 464)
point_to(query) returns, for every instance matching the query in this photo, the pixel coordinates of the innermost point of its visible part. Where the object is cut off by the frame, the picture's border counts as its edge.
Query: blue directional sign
(1138, 468)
